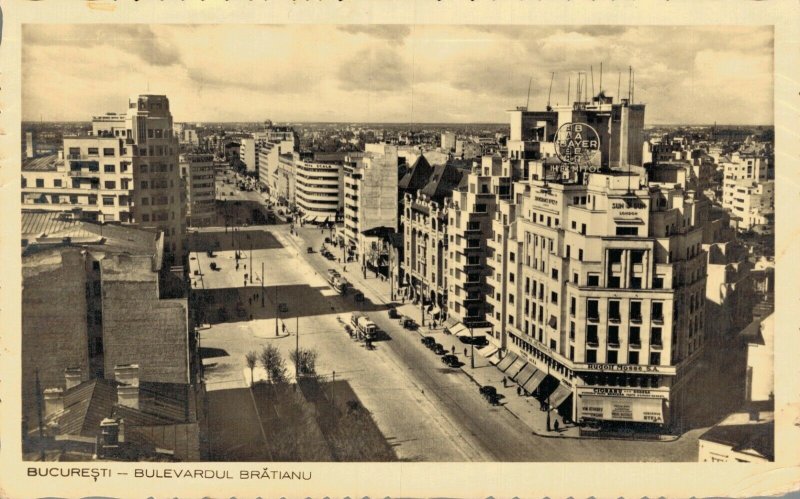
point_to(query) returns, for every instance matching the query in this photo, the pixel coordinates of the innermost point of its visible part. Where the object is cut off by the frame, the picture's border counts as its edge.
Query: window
(511, 277)
(145, 201)
(571, 330)
(580, 255)
(613, 311)
(553, 344)
(93, 151)
(591, 334)
(571, 353)
(634, 336)
(593, 280)
(636, 311)
(110, 184)
(655, 336)
(568, 250)
(574, 225)
(583, 229)
(554, 273)
(109, 168)
(57, 182)
(145, 217)
(511, 256)
(572, 306)
(108, 200)
(613, 335)
(591, 356)
(144, 185)
(73, 199)
(592, 310)
(633, 358)
(627, 231)
(612, 356)
(636, 283)
(553, 297)
(39, 182)
(655, 358)
(575, 278)
(657, 312)
(74, 152)
(55, 198)
(108, 151)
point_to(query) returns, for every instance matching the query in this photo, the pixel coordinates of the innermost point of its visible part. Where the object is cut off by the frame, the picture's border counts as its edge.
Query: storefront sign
(629, 207)
(625, 368)
(624, 392)
(621, 409)
(577, 144)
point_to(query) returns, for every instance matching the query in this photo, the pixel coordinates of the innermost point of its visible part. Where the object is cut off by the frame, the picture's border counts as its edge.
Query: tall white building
(748, 190)
(198, 172)
(125, 171)
(318, 189)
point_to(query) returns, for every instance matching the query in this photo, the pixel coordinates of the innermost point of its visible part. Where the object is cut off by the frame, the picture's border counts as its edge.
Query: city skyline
(415, 74)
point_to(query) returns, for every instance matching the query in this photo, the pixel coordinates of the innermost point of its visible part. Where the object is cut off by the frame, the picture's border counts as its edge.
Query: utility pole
(262, 284)
(251, 262)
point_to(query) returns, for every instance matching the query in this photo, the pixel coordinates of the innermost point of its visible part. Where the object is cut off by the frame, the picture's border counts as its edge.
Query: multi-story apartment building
(602, 287)
(125, 171)
(448, 141)
(268, 160)
(319, 194)
(285, 183)
(424, 223)
(198, 173)
(748, 190)
(470, 213)
(370, 195)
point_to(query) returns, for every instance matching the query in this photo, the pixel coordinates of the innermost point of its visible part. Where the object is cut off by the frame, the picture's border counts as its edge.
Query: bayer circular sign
(577, 143)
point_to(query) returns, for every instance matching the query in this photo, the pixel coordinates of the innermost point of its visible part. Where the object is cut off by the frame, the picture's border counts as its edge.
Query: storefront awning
(525, 374)
(516, 367)
(494, 358)
(559, 395)
(459, 330)
(509, 359)
(645, 410)
(487, 351)
(533, 383)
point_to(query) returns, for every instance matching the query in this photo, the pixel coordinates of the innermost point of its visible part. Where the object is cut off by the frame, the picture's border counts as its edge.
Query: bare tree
(306, 361)
(251, 357)
(274, 364)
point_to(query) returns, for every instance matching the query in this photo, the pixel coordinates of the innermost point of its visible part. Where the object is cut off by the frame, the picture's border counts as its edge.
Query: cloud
(392, 32)
(374, 70)
(280, 82)
(137, 39)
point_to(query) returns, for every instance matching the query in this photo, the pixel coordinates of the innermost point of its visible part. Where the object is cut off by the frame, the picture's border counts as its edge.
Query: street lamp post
(262, 284)
(251, 261)
(277, 311)
(548, 399)
(472, 347)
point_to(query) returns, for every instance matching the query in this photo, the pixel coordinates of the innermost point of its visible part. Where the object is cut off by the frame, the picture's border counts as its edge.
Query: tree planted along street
(251, 357)
(273, 364)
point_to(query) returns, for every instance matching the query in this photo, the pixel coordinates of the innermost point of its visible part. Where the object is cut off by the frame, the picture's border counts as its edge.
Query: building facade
(200, 187)
(319, 194)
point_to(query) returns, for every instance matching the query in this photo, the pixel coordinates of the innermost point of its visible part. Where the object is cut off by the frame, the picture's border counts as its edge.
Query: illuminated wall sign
(577, 144)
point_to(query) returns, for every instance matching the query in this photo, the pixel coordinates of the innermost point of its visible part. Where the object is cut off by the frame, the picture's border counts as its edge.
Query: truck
(365, 328)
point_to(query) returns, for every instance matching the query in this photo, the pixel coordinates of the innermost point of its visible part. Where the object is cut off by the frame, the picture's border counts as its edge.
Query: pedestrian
(519, 391)
(555, 425)
(465, 352)
(453, 349)
(284, 328)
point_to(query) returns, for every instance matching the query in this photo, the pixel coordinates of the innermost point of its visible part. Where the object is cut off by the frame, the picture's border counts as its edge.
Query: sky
(393, 73)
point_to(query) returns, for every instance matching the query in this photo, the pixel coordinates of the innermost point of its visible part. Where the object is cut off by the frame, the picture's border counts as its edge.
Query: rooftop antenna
(569, 84)
(600, 89)
(591, 68)
(550, 91)
(527, 102)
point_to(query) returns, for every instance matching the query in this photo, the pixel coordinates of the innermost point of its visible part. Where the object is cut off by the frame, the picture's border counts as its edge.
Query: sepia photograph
(396, 247)
(454, 250)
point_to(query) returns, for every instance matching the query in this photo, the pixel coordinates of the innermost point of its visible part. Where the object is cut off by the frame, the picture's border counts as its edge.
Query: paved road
(495, 432)
(428, 411)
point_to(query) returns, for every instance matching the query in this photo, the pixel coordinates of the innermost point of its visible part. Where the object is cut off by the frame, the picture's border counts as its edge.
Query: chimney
(73, 377)
(108, 444)
(128, 389)
(53, 401)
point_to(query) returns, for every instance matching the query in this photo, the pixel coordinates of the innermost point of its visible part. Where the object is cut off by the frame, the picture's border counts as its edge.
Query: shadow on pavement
(209, 352)
(241, 239)
(214, 306)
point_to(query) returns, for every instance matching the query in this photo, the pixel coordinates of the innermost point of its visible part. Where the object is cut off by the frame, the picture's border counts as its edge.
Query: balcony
(636, 319)
(592, 342)
(658, 319)
(656, 345)
(590, 318)
(635, 344)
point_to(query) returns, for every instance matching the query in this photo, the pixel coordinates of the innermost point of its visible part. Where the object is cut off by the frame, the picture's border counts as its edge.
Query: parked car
(493, 399)
(428, 341)
(487, 390)
(478, 341)
(408, 323)
(309, 249)
(450, 360)
(393, 313)
(328, 240)
(438, 349)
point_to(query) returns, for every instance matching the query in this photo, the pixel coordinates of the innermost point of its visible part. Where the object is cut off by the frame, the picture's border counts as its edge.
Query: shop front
(625, 405)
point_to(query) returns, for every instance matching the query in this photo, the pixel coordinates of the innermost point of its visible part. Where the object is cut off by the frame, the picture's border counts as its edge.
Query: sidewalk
(526, 409)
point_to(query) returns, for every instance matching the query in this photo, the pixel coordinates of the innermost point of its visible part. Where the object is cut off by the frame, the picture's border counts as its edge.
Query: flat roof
(47, 163)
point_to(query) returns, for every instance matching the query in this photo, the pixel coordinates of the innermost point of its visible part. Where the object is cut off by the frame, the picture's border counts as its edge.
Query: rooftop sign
(577, 144)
